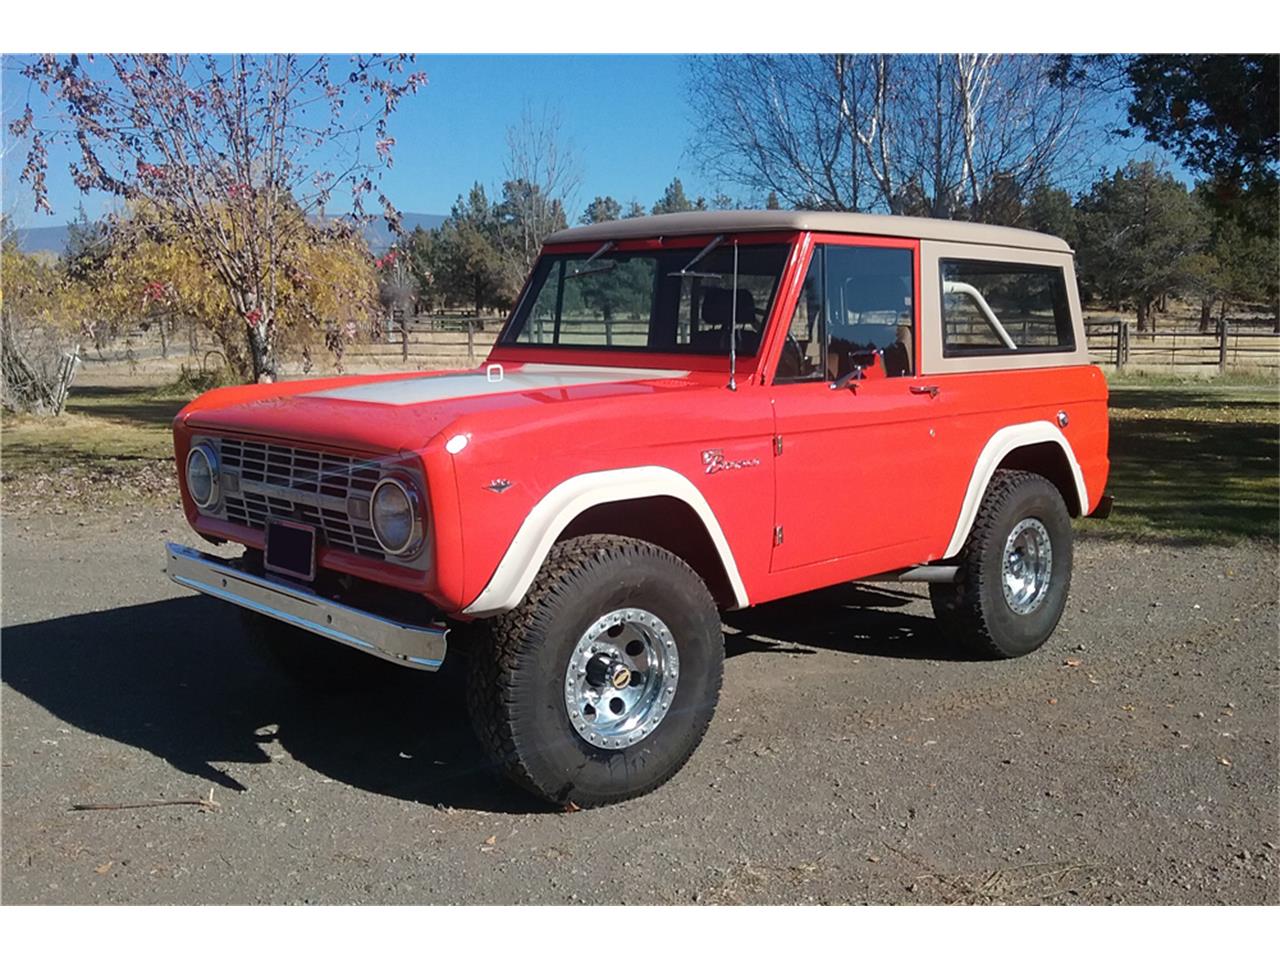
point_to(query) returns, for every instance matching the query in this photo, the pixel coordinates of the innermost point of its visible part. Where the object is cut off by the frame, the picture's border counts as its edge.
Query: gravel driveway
(854, 758)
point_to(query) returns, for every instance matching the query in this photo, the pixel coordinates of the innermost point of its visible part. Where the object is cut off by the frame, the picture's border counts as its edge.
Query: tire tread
(960, 605)
(496, 666)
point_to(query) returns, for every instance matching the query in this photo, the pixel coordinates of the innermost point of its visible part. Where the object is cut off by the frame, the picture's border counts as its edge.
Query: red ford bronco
(683, 414)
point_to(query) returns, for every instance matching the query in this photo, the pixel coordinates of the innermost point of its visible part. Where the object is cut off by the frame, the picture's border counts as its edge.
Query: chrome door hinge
(777, 445)
(777, 536)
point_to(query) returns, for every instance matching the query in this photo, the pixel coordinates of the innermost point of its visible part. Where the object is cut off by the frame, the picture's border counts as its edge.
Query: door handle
(931, 390)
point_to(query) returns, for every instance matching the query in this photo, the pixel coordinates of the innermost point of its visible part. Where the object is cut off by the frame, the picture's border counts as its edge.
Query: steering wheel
(794, 345)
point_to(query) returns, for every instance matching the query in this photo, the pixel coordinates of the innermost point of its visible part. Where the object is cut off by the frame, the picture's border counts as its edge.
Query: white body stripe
(474, 383)
(1002, 443)
(558, 508)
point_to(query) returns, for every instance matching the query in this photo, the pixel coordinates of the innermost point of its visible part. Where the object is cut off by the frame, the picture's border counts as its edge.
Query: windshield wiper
(686, 270)
(583, 270)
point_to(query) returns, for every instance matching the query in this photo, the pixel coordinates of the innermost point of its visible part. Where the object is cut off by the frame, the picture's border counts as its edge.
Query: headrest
(717, 308)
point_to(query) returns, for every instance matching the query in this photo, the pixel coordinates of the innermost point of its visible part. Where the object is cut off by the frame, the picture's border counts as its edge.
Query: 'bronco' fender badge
(715, 461)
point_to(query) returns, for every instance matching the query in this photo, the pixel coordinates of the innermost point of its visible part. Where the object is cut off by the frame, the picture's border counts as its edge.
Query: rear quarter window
(991, 308)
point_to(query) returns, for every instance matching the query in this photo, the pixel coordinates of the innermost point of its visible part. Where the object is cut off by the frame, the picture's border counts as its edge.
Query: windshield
(641, 301)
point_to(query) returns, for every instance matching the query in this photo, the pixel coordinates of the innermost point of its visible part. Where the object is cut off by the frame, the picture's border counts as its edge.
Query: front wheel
(1015, 569)
(601, 683)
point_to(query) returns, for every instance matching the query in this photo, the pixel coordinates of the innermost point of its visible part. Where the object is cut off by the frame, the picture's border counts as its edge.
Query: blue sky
(625, 115)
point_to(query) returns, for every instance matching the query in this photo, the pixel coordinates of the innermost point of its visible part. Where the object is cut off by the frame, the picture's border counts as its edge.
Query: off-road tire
(515, 689)
(973, 610)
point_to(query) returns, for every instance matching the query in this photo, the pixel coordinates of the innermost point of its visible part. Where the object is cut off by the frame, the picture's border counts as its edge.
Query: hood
(528, 378)
(401, 412)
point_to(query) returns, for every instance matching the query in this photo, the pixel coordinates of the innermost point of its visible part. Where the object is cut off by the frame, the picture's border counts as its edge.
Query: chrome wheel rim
(621, 678)
(1027, 566)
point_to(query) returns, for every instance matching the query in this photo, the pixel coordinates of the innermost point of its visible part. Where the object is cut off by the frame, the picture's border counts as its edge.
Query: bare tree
(926, 134)
(240, 153)
(542, 181)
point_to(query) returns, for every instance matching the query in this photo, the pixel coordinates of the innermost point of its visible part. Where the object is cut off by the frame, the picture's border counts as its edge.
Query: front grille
(309, 486)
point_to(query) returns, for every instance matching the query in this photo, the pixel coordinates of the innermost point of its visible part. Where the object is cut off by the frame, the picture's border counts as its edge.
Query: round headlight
(202, 475)
(394, 519)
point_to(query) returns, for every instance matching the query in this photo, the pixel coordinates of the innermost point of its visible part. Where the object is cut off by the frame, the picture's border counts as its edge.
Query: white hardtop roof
(744, 221)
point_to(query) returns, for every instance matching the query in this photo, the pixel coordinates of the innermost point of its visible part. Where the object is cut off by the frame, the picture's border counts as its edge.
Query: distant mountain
(54, 239)
(43, 240)
(379, 237)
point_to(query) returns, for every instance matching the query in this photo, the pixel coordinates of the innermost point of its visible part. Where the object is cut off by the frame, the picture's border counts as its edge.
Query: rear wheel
(1015, 569)
(601, 683)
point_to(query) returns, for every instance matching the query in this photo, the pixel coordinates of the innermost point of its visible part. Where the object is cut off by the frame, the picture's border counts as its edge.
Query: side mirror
(867, 366)
(853, 375)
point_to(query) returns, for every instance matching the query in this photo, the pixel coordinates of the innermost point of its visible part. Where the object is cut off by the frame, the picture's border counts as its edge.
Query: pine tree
(470, 262)
(1049, 210)
(88, 244)
(1138, 230)
(602, 209)
(673, 199)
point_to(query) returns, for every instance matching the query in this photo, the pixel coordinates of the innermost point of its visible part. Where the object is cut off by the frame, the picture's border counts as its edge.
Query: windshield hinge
(777, 445)
(777, 536)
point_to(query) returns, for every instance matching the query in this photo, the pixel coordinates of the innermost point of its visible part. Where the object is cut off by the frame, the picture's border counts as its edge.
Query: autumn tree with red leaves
(243, 154)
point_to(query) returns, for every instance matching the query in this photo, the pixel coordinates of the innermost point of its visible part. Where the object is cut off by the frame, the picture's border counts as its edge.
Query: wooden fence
(458, 342)
(430, 342)
(1115, 343)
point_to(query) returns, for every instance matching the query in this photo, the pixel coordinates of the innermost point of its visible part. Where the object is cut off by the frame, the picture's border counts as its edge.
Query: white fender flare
(548, 518)
(1002, 443)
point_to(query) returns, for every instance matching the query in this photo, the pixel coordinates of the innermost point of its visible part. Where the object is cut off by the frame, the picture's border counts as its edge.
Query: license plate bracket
(291, 549)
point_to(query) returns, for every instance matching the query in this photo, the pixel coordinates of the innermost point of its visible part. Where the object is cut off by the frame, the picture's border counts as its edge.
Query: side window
(991, 307)
(804, 352)
(870, 310)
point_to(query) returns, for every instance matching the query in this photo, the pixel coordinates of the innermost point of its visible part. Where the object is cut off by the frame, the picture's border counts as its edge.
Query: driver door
(856, 466)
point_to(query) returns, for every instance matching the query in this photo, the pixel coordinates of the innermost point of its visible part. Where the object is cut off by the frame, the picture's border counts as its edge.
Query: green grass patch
(1256, 379)
(1193, 463)
(101, 424)
(112, 446)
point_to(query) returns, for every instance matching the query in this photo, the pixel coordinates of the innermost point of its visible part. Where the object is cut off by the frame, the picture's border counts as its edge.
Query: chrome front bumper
(409, 645)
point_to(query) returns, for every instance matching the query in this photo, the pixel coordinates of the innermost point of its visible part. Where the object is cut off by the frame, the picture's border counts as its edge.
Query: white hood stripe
(453, 386)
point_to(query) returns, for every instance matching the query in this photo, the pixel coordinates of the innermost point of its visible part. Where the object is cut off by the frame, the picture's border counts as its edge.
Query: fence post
(1122, 344)
(1223, 327)
(471, 343)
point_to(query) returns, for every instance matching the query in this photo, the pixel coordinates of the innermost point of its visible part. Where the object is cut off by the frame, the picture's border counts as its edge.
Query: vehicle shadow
(856, 618)
(178, 679)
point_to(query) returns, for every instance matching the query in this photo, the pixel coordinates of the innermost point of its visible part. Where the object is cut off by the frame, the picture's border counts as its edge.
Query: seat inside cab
(871, 312)
(863, 312)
